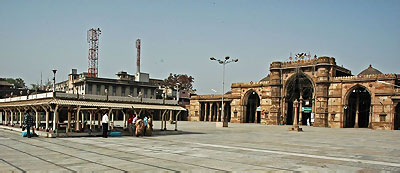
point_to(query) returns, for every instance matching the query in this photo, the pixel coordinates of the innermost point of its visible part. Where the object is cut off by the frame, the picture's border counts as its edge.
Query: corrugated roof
(92, 104)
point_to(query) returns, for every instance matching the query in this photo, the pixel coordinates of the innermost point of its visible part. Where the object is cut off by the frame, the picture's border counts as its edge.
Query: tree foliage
(35, 86)
(18, 82)
(183, 81)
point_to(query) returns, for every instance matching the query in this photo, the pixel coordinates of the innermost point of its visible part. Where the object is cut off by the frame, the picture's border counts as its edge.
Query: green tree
(18, 82)
(35, 86)
(183, 81)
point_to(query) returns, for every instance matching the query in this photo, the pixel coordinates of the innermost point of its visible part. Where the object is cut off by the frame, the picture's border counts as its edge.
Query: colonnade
(211, 111)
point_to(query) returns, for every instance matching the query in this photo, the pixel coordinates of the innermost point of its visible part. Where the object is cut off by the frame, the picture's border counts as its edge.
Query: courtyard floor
(201, 146)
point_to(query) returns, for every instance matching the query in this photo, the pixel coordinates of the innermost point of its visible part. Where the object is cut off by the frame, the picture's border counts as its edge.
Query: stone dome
(369, 71)
(265, 79)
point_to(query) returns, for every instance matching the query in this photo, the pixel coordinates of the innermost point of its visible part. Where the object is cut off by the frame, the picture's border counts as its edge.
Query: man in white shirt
(105, 125)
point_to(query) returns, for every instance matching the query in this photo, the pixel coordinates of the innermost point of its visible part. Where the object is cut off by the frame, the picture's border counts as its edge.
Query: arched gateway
(251, 103)
(299, 87)
(357, 108)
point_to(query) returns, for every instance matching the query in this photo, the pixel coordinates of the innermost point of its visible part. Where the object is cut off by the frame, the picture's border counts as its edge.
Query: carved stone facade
(328, 96)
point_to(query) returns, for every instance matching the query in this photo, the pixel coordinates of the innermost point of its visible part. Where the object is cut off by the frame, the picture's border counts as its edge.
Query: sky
(180, 37)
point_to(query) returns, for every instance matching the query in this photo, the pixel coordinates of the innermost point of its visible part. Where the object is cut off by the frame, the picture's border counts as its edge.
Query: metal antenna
(93, 40)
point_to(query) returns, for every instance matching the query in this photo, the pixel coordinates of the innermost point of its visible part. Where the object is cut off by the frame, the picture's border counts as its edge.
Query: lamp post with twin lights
(225, 61)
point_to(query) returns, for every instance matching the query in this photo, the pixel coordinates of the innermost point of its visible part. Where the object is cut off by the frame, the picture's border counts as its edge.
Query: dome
(265, 79)
(370, 70)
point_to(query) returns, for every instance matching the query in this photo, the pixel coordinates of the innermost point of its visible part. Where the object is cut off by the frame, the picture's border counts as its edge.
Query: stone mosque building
(327, 95)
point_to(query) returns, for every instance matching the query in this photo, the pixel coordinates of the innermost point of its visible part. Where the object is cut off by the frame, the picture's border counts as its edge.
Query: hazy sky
(180, 36)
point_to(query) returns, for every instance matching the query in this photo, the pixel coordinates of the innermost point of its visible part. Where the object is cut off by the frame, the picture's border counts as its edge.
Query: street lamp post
(224, 62)
(54, 82)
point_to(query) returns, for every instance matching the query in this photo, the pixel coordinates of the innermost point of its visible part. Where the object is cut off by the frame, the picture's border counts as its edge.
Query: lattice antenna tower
(93, 40)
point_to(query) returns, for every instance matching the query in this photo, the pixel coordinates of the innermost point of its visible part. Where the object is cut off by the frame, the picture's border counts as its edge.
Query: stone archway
(396, 120)
(251, 102)
(299, 87)
(357, 108)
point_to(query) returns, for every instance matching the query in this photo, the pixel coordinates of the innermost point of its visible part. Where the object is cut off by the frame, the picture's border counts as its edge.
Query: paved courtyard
(200, 146)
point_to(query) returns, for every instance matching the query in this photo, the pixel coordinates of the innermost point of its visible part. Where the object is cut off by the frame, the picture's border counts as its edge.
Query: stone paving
(202, 147)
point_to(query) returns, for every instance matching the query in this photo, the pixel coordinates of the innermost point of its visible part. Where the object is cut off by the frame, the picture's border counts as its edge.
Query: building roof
(265, 79)
(5, 83)
(369, 71)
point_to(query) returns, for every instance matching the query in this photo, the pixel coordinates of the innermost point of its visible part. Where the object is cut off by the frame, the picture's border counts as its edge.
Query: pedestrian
(145, 124)
(130, 125)
(28, 123)
(134, 123)
(105, 125)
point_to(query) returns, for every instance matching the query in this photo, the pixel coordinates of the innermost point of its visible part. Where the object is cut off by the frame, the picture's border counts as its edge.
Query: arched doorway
(396, 122)
(253, 101)
(299, 87)
(358, 108)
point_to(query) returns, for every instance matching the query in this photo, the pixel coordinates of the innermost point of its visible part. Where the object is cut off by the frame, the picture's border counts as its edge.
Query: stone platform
(202, 147)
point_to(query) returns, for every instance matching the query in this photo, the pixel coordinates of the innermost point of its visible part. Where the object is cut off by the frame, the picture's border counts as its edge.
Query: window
(131, 91)
(382, 117)
(106, 88)
(89, 89)
(145, 93)
(98, 89)
(152, 91)
(123, 91)
(138, 91)
(114, 90)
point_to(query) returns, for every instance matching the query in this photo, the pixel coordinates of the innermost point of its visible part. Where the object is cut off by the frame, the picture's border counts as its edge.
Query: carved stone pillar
(357, 111)
(295, 122)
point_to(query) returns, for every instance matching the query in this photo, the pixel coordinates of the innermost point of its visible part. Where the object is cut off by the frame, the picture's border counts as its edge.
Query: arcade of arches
(328, 95)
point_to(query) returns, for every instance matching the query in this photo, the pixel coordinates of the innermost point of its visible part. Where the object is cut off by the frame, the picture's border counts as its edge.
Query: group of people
(140, 126)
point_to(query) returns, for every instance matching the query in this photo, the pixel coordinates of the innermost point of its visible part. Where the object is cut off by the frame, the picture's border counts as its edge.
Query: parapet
(250, 84)
(365, 77)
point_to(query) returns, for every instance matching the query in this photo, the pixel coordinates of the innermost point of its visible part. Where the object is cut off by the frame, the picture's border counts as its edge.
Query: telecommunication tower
(93, 40)
(138, 56)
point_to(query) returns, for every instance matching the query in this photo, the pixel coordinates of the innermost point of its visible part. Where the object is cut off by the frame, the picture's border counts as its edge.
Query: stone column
(37, 119)
(90, 119)
(219, 115)
(124, 119)
(283, 111)
(47, 119)
(20, 118)
(300, 110)
(99, 120)
(55, 118)
(1, 117)
(223, 117)
(210, 110)
(69, 121)
(12, 118)
(77, 120)
(112, 120)
(255, 113)
(295, 120)
(357, 112)
(171, 114)
(83, 121)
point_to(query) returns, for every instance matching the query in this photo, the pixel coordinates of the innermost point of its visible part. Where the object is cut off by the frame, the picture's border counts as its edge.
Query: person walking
(105, 125)
(28, 123)
(130, 125)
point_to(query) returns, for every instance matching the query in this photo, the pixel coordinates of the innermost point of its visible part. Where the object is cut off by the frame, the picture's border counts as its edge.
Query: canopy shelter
(78, 113)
